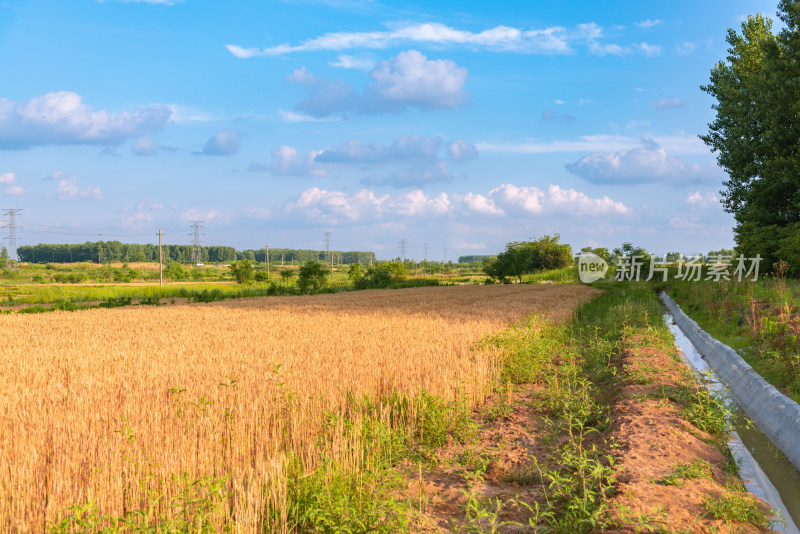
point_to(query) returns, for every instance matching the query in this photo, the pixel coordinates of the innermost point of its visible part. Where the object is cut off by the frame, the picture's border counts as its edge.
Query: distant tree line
(474, 258)
(107, 251)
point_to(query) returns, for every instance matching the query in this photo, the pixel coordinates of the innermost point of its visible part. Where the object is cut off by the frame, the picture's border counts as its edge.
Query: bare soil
(648, 437)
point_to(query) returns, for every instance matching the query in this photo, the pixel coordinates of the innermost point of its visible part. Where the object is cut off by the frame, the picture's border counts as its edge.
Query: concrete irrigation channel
(768, 474)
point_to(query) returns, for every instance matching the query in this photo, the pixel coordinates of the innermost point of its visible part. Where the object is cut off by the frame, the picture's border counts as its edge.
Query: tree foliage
(525, 257)
(312, 275)
(242, 271)
(756, 134)
(382, 275)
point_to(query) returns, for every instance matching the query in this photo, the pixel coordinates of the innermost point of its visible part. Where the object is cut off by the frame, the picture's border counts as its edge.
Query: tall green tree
(756, 135)
(525, 257)
(312, 275)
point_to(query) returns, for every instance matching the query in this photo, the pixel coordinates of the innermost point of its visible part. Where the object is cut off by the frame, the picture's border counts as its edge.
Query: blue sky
(460, 125)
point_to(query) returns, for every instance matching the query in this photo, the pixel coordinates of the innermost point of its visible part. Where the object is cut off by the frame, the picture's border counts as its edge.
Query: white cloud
(646, 163)
(685, 48)
(667, 103)
(286, 161)
(144, 146)
(646, 49)
(223, 143)
(419, 156)
(500, 38)
(290, 116)
(409, 79)
(648, 23)
(552, 40)
(9, 180)
(684, 145)
(528, 199)
(505, 201)
(559, 102)
(62, 118)
(350, 62)
(405, 148)
(302, 75)
(195, 214)
(460, 150)
(702, 200)
(480, 204)
(579, 203)
(68, 190)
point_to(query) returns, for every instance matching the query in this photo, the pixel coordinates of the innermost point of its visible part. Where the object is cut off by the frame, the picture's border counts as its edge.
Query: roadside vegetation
(761, 320)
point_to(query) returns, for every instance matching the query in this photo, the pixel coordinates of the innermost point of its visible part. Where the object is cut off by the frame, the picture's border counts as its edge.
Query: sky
(455, 126)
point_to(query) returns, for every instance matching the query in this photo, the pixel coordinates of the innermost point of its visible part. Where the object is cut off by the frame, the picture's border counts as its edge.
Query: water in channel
(780, 470)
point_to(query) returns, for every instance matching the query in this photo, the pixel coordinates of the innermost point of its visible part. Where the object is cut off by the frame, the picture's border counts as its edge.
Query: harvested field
(135, 407)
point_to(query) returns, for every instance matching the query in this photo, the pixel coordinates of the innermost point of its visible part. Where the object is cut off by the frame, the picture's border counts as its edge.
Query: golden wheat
(112, 404)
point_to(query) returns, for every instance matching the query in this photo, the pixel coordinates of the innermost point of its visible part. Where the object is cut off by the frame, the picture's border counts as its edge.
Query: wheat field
(121, 405)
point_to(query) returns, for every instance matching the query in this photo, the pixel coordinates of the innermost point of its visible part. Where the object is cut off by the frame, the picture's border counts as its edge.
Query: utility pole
(402, 249)
(12, 231)
(266, 259)
(328, 251)
(160, 261)
(197, 253)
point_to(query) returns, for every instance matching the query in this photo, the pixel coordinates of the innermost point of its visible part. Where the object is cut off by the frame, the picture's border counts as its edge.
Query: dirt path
(668, 473)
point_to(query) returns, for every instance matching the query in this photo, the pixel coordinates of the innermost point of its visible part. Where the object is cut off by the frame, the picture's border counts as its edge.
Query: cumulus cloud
(644, 164)
(667, 103)
(507, 200)
(702, 200)
(420, 158)
(286, 161)
(9, 181)
(409, 79)
(223, 143)
(479, 204)
(68, 189)
(61, 118)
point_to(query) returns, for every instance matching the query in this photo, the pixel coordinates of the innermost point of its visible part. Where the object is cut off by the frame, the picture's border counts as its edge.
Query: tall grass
(238, 415)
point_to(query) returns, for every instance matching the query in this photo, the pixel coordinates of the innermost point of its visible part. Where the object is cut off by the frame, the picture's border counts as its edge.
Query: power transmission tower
(402, 249)
(197, 252)
(328, 252)
(12, 231)
(425, 261)
(266, 259)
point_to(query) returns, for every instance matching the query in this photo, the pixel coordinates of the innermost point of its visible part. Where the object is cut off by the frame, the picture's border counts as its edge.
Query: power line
(12, 231)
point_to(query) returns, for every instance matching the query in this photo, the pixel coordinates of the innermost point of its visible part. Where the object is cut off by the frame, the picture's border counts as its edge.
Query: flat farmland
(160, 410)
